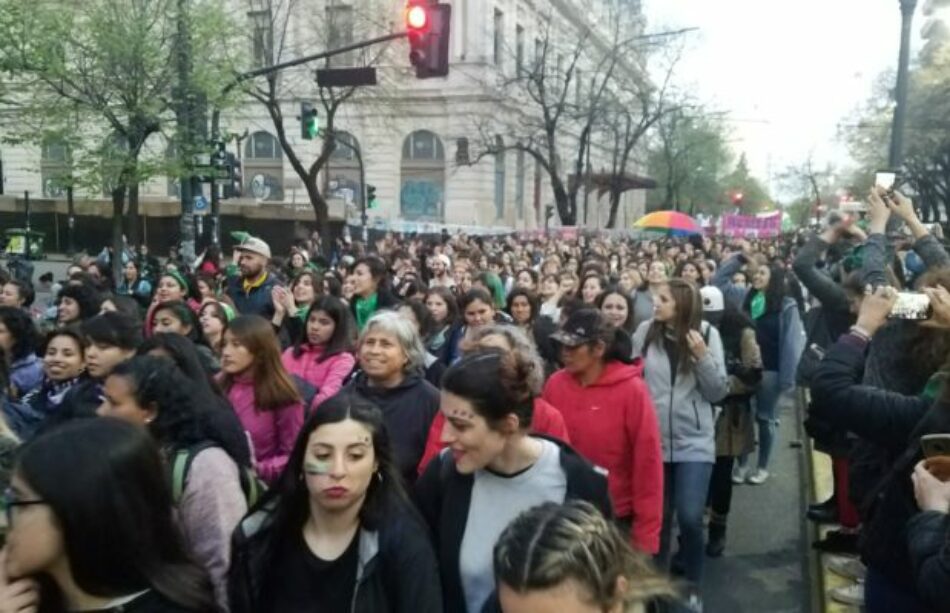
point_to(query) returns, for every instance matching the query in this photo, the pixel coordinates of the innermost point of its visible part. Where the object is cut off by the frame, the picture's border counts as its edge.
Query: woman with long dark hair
(178, 318)
(336, 532)
(686, 374)
(371, 292)
(442, 304)
(617, 307)
(19, 342)
(134, 284)
(492, 470)
(151, 393)
(71, 548)
(262, 392)
(323, 356)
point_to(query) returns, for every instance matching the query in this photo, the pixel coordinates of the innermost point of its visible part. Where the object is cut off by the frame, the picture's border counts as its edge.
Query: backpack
(251, 485)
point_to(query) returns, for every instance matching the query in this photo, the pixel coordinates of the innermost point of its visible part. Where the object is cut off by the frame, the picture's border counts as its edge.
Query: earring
(379, 476)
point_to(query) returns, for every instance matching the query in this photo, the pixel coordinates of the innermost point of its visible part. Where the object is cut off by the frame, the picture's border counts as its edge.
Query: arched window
(55, 163)
(422, 189)
(263, 167)
(343, 169)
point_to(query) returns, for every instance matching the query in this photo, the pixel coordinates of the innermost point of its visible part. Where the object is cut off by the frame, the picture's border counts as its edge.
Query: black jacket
(444, 496)
(258, 301)
(397, 570)
(408, 410)
(895, 422)
(928, 538)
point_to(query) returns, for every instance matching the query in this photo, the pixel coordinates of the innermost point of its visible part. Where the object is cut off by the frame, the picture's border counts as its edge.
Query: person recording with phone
(895, 423)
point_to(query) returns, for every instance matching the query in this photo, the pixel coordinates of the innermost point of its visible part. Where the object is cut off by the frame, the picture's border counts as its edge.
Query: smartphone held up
(913, 306)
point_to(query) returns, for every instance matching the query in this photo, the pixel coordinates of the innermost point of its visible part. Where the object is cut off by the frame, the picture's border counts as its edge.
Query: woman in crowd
(151, 393)
(214, 318)
(689, 271)
(527, 279)
(570, 558)
(686, 374)
(443, 307)
(735, 432)
(76, 303)
(262, 392)
(172, 286)
(779, 333)
(178, 318)
(323, 357)
(370, 290)
(207, 287)
(545, 419)
(525, 311)
(291, 306)
(19, 343)
(337, 532)
(478, 310)
(492, 471)
(391, 359)
(418, 315)
(97, 552)
(550, 297)
(592, 286)
(63, 368)
(134, 284)
(624, 439)
(617, 308)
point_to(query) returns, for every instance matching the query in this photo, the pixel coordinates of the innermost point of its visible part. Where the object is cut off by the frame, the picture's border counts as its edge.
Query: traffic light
(428, 27)
(309, 121)
(371, 202)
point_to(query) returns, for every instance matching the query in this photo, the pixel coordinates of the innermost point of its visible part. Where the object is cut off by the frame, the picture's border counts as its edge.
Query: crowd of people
(467, 424)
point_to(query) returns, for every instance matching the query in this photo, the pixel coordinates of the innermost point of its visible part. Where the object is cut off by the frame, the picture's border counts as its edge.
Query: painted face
(382, 357)
(664, 307)
(615, 310)
(473, 444)
(477, 313)
(118, 401)
(63, 359)
(320, 328)
(34, 539)
(437, 307)
(339, 465)
(521, 310)
(235, 357)
(167, 321)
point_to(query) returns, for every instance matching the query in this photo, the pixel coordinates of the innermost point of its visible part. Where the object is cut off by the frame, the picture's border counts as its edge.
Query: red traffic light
(417, 17)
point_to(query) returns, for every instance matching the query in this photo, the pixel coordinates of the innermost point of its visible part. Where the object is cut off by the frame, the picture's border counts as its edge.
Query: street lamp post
(896, 155)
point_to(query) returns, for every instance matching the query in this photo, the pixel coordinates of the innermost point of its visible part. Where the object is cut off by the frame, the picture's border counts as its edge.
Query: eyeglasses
(11, 502)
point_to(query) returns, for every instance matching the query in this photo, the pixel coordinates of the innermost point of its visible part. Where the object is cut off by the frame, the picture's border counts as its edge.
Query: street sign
(201, 203)
(346, 77)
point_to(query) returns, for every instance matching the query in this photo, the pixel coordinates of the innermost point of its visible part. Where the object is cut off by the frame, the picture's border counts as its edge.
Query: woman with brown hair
(262, 392)
(685, 370)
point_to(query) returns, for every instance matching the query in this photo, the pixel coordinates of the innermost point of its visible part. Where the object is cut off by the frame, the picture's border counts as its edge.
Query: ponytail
(620, 347)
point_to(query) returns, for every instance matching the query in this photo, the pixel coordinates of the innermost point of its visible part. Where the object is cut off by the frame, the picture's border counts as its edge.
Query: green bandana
(757, 305)
(365, 307)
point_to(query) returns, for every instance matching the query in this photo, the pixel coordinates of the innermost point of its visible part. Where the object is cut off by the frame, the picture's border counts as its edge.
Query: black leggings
(720, 486)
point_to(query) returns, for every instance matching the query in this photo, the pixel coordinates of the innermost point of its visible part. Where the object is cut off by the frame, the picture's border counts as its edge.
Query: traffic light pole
(260, 72)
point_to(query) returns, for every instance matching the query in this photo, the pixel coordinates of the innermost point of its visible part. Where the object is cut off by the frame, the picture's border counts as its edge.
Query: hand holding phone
(913, 306)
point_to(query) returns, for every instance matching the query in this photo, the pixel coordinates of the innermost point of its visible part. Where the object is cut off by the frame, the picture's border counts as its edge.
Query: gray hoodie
(685, 409)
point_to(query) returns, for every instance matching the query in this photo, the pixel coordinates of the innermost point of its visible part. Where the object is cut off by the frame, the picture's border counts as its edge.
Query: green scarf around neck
(757, 305)
(365, 307)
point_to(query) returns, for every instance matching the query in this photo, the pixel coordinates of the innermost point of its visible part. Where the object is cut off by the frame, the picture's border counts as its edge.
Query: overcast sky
(787, 71)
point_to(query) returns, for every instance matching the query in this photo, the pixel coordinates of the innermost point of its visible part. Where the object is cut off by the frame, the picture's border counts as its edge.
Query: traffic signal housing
(309, 121)
(428, 26)
(371, 202)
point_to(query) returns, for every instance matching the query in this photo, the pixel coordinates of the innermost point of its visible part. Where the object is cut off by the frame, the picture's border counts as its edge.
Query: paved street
(763, 569)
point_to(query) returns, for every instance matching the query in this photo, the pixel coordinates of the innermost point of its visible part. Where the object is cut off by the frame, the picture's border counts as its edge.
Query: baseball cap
(252, 244)
(712, 299)
(581, 327)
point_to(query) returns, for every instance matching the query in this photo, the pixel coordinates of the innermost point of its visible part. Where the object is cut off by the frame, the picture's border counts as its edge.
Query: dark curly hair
(86, 296)
(25, 337)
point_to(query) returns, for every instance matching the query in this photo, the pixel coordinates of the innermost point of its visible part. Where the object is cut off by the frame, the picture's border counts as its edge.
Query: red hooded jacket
(544, 420)
(613, 424)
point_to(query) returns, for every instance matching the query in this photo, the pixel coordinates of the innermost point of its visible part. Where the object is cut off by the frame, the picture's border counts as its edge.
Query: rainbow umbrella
(670, 223)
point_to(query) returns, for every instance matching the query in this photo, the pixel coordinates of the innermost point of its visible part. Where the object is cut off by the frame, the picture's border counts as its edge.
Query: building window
(499, 178)
(340, 32)
(262, 38)
(263, 167)
(343, 170)
(422, 186)
(498, 41)
(519, 50)
(519, 183)
(54, 168)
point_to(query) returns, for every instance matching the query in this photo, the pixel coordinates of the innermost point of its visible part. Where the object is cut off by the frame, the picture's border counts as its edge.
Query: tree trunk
(118, 206)
(321, 213)
(132, 229)
(614, 206)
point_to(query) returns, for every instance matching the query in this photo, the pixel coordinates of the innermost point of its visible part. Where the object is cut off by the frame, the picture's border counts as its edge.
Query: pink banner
(748, 226)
